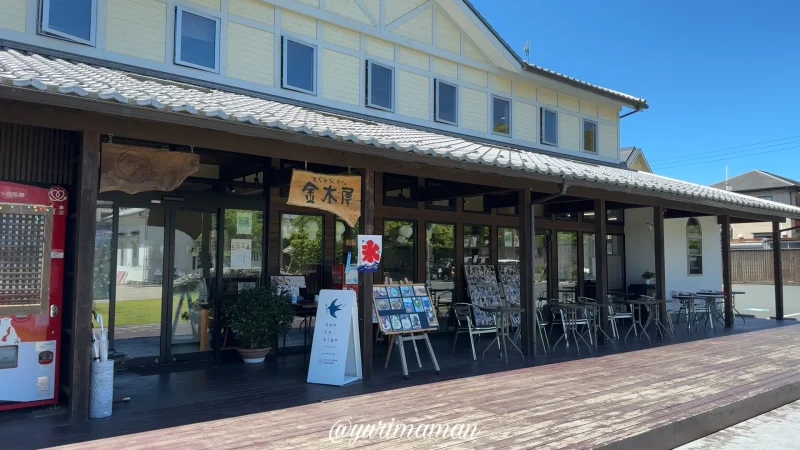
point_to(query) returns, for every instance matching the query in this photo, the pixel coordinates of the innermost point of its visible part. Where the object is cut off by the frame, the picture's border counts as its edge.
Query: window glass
(446, 98)
(69, 18)
(476, 245)
(501, 115)
(198, 40)
(400, 190)
(299, 66)
(399, 257)
(589, 136)
(440, 255)
(567, 216)
(507, 246)
(615, 216)
(102, 252)
(301, 248)
(381, 86)
(508, 211)
(589, 267)
(345, 242)
(477, 204)
(766, 197)
(447, 204)
(567, 264)
(549, 127)
(615, 247)
(694, 245)
(541, 268)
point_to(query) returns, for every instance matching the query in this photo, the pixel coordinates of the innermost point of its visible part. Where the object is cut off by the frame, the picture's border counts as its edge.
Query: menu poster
(404, 308)
(483, 291)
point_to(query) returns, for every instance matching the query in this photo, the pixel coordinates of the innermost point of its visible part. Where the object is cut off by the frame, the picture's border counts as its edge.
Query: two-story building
(766, 186)
(467, 155)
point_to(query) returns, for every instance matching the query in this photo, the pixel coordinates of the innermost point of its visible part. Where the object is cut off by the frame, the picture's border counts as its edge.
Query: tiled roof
(756, 180)
(60, 76)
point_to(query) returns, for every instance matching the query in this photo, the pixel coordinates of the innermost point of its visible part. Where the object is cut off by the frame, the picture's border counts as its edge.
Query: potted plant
(649, 277)
(258, 317)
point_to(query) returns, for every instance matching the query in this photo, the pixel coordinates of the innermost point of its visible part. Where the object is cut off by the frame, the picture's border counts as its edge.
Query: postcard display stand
(405, 314)
(483, 291)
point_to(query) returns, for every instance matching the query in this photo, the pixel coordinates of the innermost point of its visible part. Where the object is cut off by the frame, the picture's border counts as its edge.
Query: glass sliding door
(541, 267)
(567, 264)
(138, 283)
(440, 267)
(194, 256)
(399, 257)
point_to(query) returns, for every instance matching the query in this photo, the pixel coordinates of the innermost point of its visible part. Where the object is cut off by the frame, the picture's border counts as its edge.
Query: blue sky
(717, 74)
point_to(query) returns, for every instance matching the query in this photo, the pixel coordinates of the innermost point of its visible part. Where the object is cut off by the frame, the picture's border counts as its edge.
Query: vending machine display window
(25, 244)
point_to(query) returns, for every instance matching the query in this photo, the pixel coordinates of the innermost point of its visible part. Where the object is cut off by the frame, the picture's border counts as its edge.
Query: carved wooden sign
(338, 194)
(133, 169)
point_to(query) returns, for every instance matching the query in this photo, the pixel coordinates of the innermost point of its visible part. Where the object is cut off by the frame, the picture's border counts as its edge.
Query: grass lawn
(136, 312)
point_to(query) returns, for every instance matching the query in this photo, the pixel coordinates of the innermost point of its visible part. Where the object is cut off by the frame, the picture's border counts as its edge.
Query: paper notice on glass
(244, 222)
(508, 239)
(241, 253)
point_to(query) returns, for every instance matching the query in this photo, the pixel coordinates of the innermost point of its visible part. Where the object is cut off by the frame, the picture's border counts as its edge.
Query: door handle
(53, 310)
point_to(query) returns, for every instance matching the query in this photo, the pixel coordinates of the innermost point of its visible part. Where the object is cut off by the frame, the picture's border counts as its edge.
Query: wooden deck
(636, 397)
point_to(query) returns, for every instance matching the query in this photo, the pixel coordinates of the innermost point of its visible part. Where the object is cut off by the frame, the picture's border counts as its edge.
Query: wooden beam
(660, 261)
(727, 285)
(601, 262)
(527, 240)
(283, 176)
(453, 190)
(778, 269)
(83, 296)
(367, 226)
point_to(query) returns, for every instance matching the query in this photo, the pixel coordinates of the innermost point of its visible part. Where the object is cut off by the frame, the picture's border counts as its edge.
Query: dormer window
(548, 121)
(196, 40)
(72, 20)
(445, 103)
(380, 86)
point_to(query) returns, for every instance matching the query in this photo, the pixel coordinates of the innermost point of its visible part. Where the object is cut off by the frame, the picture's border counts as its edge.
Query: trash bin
(101, 389)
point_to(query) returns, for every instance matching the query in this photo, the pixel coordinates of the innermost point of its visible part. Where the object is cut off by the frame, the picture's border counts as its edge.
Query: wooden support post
(526, 270)
(601, 263)
(660, 262)
(778, 262)
(83, 257)
(367, 226)
(727, 285)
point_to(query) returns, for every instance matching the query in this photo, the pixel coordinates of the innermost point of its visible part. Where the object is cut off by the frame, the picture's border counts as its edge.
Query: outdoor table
(503, 321)
(598, 306)
(571, 323)
(654, 316)
(721, 295)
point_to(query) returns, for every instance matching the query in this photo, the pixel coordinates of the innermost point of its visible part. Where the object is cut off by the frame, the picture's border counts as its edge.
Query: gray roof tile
(58, 75)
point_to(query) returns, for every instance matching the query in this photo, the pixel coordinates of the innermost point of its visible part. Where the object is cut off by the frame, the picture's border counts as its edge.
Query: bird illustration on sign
(333, 308)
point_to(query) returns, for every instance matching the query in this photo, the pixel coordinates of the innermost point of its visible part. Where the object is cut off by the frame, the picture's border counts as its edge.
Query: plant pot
(253, 355)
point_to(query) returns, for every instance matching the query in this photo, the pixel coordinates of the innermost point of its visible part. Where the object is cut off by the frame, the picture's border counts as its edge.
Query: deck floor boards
(554, 401)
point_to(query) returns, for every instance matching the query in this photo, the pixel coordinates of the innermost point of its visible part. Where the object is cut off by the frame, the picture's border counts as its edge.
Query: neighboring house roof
(756, 180)
(61, 77)
(629, 100)
(631, 154)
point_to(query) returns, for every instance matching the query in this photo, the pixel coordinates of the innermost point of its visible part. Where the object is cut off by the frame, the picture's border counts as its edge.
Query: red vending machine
(32, 236)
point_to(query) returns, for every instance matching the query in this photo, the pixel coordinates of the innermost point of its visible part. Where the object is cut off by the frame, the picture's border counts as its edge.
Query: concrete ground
(759, 300)
(777, 430)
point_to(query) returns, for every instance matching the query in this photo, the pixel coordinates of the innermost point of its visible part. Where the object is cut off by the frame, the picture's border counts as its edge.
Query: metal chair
(542, 324)
(463, 313)
(614, 314)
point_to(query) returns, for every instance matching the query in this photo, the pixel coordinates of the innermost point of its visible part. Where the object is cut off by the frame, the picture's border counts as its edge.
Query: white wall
(640, 253)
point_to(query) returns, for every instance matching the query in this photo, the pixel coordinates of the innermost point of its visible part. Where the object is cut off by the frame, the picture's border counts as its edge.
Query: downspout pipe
(638, 109)
(561, 193)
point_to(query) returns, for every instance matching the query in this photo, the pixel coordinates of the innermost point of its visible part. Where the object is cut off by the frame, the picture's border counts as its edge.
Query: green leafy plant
(647, 275)
(261, 314)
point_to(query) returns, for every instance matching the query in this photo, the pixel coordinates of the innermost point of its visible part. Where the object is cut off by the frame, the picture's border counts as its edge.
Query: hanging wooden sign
(133, 169)
(337, 194)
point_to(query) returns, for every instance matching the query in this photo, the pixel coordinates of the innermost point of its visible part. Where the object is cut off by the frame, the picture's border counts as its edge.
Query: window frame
(437, 103)
(694, 237)
(369, 102)
(284, 66)
(596, 151)
(46, 30)
(542, 139)
(177, 57)
(510, 113)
